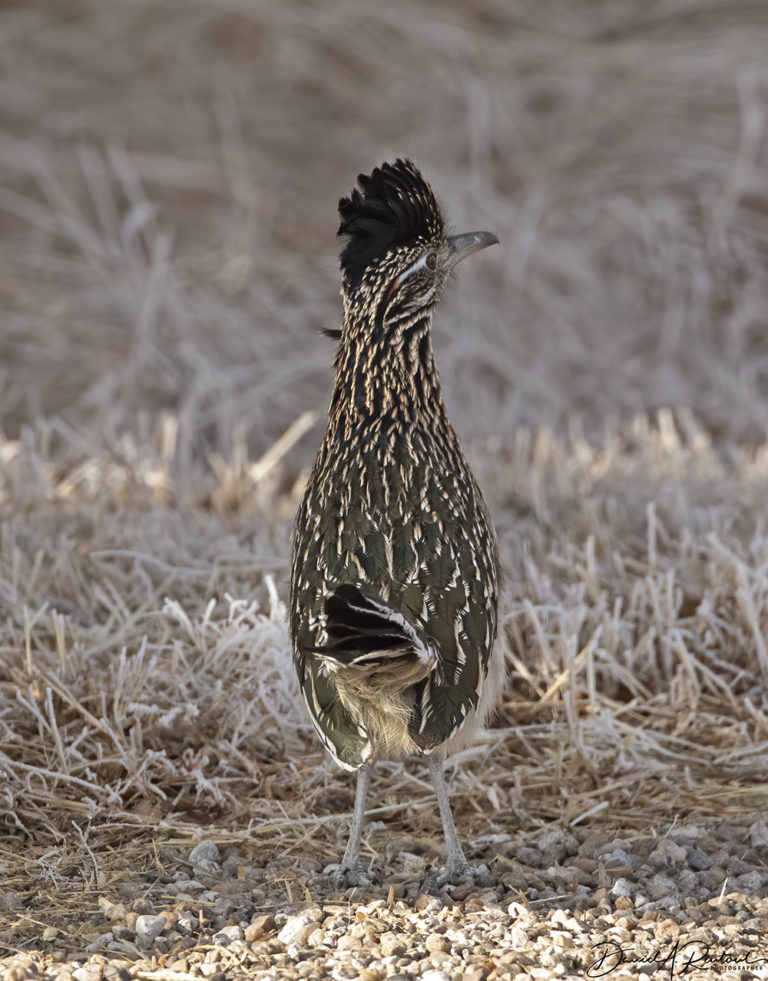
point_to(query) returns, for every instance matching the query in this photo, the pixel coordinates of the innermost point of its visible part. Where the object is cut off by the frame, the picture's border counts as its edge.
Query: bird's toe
(348, 876)
(453, 874)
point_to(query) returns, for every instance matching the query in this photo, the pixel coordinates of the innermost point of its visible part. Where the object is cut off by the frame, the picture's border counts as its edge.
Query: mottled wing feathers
(458, 559)
(420, 563)
(393, 206)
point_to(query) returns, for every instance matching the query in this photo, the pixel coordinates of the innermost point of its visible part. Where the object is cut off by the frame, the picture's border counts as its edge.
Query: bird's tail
(370, 640)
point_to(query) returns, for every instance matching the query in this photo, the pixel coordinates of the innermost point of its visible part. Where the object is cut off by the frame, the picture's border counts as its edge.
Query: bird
(394, 558)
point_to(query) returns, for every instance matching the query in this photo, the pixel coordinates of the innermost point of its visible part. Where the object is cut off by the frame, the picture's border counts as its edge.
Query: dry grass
(168, 178)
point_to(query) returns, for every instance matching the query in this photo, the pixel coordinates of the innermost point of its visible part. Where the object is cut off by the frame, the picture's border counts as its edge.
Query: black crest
(396, 207)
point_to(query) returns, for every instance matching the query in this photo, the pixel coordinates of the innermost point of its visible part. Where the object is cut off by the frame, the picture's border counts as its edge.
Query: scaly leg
(351, 872)
(456, 868)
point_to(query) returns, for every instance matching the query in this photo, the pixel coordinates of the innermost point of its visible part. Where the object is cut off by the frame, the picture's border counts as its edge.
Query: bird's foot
(454, 873)
(348, 876)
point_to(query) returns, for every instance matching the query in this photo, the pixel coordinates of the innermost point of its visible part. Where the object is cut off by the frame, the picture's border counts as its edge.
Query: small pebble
(429, 903)
(619, 857)
(516, 909)
(621, 888)
(230, 867)
(259, 927)
(87, 974)
(186, 922)
(100, 942)
(698, 860)
(529, 856)
(112, 910)
(227, 934)
(205, 851)
(392, 945)
(436, 941)
(750, 882)
(189, 886)
(295, 928)
(148, 928)
(758, 834)
(686, 881)
(476, 973)
(667, 853)
(550, 839)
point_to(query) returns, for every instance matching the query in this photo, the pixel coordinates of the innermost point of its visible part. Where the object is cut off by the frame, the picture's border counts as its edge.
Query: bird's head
(396, 250)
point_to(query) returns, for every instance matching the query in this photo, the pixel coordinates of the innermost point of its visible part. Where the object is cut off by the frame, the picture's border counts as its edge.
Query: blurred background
(169, 175)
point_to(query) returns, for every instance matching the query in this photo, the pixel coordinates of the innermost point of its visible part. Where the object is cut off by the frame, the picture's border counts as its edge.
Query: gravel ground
(570, 904)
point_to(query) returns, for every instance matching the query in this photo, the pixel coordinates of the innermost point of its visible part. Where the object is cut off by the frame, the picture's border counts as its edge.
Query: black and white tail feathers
(364, 632)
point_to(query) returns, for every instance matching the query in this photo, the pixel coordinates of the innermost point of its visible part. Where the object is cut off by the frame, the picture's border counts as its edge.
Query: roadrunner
(394, 559)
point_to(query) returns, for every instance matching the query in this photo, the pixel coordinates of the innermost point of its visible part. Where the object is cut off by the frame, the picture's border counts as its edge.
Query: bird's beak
(469, 242)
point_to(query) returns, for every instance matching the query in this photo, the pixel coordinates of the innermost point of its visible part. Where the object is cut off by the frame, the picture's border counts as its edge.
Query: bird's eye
(432, 260)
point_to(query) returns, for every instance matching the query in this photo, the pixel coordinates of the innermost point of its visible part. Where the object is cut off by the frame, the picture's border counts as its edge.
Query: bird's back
(399, 515)
(394, 561)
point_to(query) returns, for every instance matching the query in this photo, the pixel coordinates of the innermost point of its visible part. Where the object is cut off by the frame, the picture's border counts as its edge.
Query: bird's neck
(387, 371)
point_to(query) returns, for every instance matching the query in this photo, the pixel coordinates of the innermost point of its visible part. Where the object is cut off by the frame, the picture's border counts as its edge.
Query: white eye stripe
(420, 263)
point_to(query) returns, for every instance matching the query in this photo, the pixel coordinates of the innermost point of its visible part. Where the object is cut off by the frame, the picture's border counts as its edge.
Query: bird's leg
(456, 868)
(351, 872)
(352, 853)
